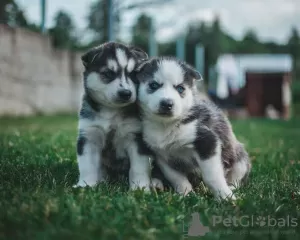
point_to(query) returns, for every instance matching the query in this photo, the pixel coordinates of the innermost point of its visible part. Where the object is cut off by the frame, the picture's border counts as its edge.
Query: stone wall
(36, 78)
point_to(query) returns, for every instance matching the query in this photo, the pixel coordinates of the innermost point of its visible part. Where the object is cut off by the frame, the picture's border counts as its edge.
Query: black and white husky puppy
(109, 129)
(185, 132)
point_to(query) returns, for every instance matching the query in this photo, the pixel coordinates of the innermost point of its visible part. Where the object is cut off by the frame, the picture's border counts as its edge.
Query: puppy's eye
(180, 89)
(108, 73)
(154, 85)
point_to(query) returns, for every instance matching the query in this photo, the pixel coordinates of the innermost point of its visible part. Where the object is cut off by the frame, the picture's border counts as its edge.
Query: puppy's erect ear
(141, 66)
(139, 72)
(194, 73)
(139, 53)
(91, 55)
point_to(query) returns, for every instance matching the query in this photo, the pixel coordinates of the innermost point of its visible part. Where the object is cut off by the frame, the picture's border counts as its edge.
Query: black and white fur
(186, 133)
(109, 129)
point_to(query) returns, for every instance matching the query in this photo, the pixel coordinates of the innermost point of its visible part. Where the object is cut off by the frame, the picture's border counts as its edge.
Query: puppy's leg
(241, 168)
(89, 148)
(210, 162)
(140, 168)
(179, 182)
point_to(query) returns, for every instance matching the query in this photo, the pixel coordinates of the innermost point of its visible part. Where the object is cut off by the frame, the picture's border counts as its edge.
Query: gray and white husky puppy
(109, 130)
(185, 132)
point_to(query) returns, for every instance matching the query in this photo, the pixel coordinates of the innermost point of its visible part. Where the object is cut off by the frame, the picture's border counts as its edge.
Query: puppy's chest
(119, 131)
(116, 122)
(169, 141)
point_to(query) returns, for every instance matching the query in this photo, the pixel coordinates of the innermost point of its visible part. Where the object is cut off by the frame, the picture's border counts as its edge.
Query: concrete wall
(34, 77)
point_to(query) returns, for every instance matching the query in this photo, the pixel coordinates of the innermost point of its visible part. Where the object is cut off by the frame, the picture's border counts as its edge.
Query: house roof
(264, 63)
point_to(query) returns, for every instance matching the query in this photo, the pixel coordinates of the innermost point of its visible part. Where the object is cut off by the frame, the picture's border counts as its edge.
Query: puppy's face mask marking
(108, 73)
(166, 88)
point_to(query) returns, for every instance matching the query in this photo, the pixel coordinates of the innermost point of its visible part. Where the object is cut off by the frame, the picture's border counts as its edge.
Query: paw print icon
(261, 221)
(196, 228)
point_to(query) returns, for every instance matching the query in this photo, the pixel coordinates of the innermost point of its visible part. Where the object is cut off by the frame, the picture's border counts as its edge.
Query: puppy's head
(108, 70)
(166, 88)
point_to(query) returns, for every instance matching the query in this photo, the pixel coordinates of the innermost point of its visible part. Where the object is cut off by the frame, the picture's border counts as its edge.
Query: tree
(215, 47)
(211, 37)
(293, 47)
(251, 44)
(141, 31)
(294, 43)
(98, 20)
(98, 15)
(4, 4)
(62, 33)
(11, 14)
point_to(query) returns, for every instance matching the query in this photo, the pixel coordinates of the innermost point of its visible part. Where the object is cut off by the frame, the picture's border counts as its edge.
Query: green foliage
(11, 14)
(212, 36)
(38, 168)
(97, 20)
(293, 47)
(294, 43)
(62, 34)
(251, 44)
(141, 31)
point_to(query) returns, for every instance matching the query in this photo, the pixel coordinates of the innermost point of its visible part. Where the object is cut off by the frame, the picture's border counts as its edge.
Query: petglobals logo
(254, 221)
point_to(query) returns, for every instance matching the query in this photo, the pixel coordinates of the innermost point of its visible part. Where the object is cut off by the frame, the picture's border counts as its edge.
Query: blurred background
(247, 51)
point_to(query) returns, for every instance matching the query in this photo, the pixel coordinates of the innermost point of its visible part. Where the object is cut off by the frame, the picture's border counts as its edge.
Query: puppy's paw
(184, 188)
(226, 195)
(234, 186)
(139, 181)
(88, 183)
(157, 184)
(82, 184)
(140, 185)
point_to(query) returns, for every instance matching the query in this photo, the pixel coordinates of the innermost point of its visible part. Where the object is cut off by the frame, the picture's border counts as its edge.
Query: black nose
(166, 105)
(125, 94)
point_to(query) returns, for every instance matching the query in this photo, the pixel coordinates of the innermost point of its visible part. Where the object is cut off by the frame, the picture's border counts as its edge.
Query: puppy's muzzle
(124, 95)
(166, 107)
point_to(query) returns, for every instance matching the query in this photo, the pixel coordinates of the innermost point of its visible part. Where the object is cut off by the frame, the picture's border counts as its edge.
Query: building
(257, 84)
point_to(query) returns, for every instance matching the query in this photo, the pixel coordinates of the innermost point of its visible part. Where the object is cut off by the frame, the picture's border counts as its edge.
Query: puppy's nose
(125, 94)
(166, 104)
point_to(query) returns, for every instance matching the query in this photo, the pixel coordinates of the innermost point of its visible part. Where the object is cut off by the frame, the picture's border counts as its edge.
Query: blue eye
(154, 85)
(180, 89)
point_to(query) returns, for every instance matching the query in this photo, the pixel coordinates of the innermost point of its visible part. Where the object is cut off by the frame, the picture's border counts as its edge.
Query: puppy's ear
(91, 55)
(139, 72)
(193, 73)
(139, 53)
(141, 66)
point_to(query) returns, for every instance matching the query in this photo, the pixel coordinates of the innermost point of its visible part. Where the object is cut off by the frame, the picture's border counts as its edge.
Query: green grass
(38, 168)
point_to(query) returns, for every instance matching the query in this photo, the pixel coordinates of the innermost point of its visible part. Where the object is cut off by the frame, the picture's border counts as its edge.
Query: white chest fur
(169, 139)
(108, 120)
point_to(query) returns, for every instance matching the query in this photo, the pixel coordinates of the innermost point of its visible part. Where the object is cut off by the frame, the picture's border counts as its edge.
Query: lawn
(37, 201)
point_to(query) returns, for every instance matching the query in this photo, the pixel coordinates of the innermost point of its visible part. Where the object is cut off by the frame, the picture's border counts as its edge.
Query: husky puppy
(188, 133)
(109, 138)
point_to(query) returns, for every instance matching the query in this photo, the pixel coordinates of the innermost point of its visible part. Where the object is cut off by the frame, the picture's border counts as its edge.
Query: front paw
(87, 183)
(157, 184)
(82, 183)
(225, 195)
(140, 185)
(184, 188)
(139, 181)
